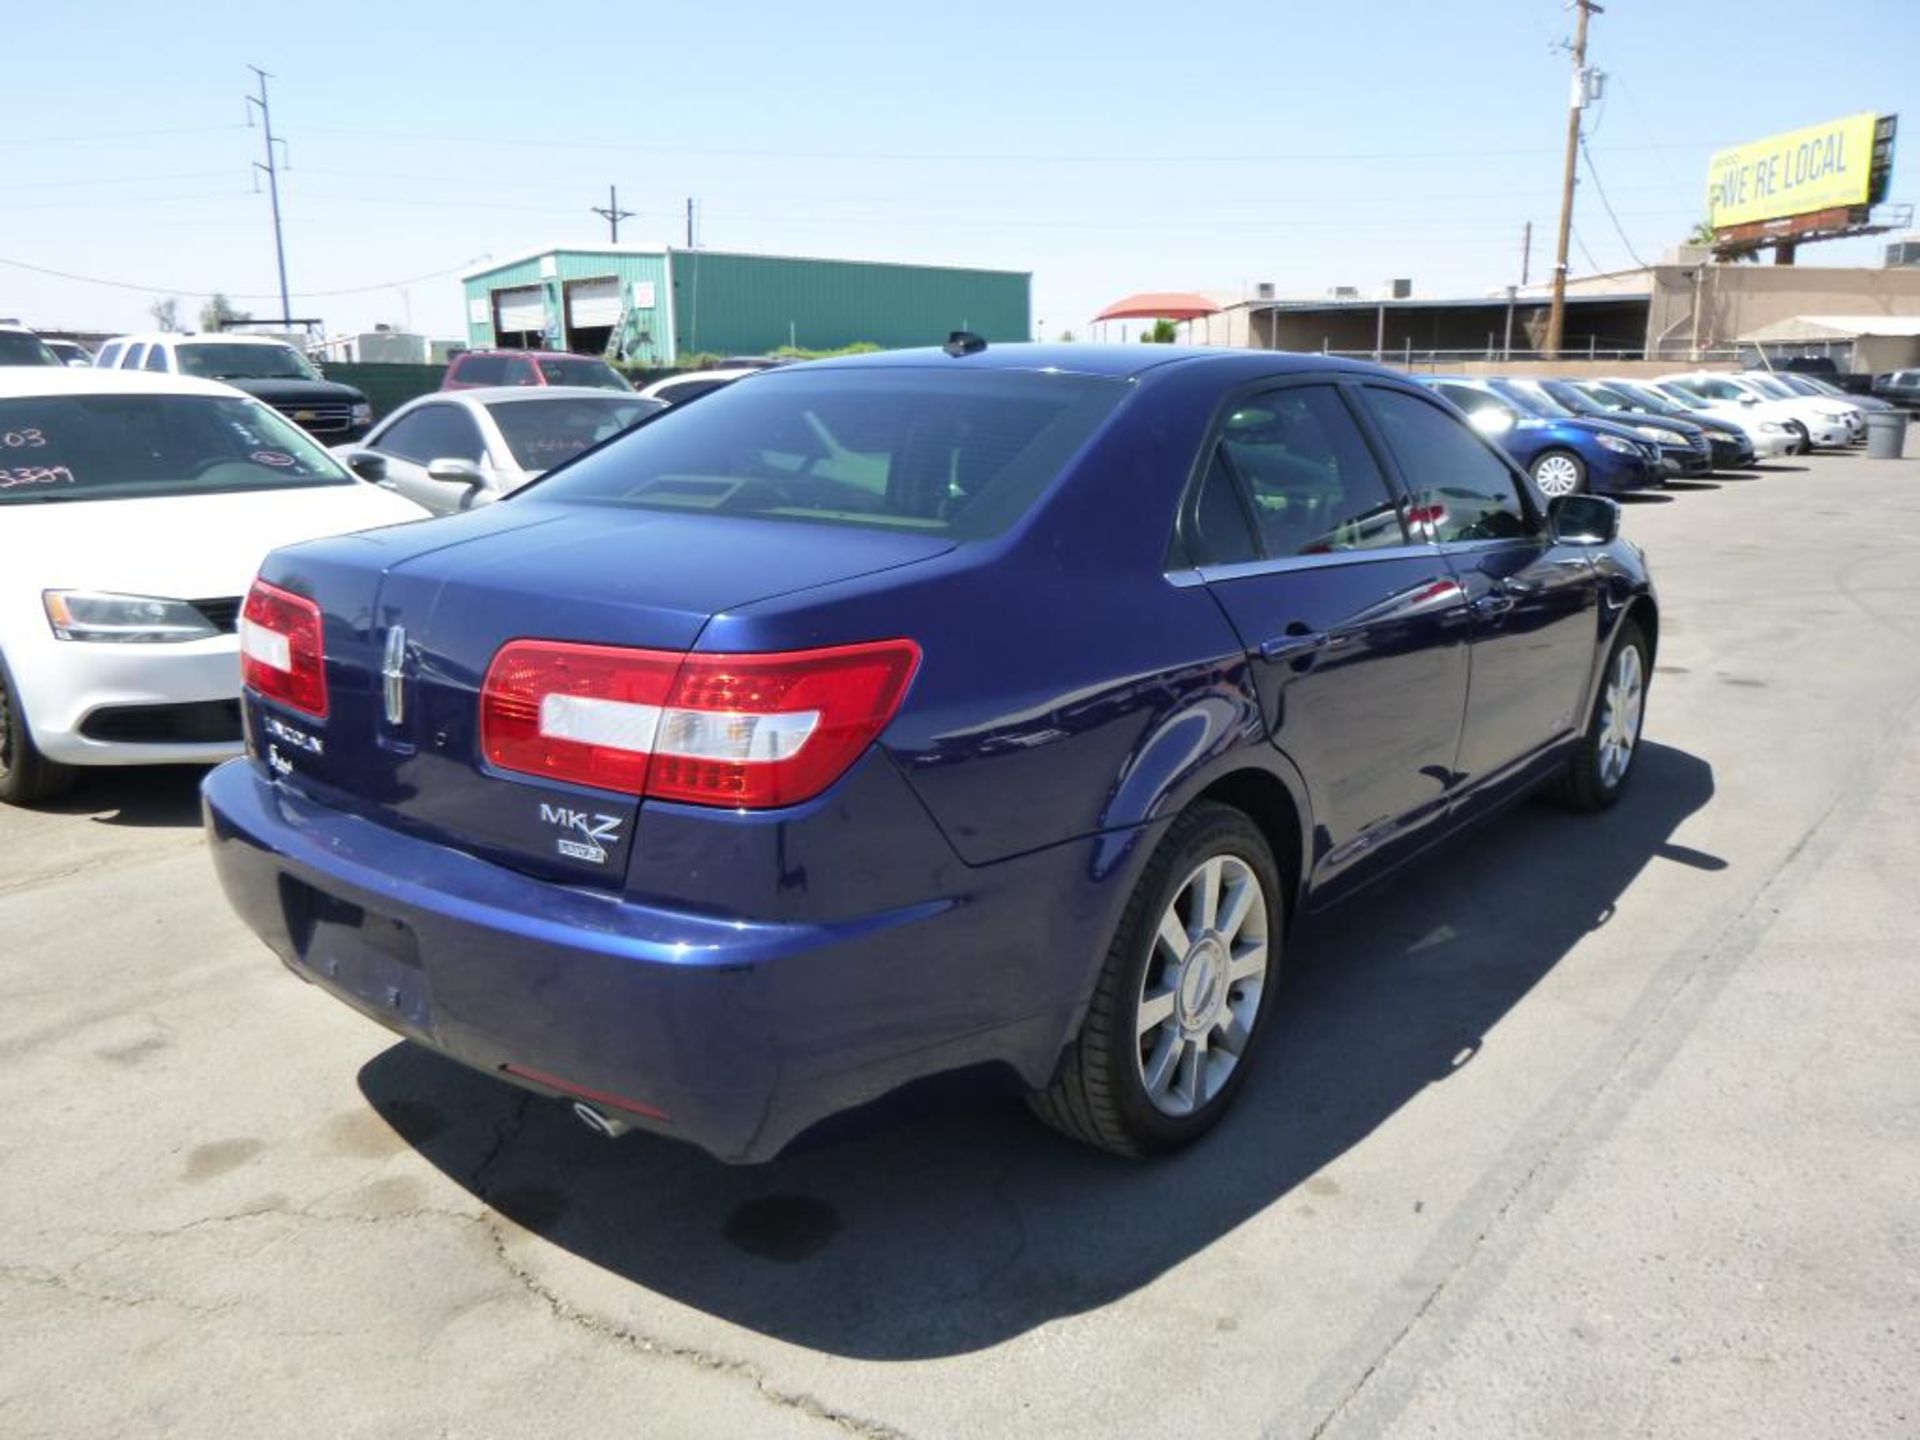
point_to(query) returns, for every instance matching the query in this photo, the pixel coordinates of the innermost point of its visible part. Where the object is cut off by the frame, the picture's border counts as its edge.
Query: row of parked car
(1616, 435)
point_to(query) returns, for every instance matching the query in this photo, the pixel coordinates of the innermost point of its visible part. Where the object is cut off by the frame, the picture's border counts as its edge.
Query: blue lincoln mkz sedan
(988, 708)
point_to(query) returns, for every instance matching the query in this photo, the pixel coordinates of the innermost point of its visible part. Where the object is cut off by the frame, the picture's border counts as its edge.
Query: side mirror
(456, 472)
(367, 465)
(80, 364)
(1584, 519)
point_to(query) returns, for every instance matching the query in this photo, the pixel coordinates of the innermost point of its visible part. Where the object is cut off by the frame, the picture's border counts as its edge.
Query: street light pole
(1557, 314)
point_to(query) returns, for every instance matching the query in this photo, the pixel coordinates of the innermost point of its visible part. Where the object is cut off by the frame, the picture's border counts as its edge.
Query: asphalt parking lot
(1595, 1126)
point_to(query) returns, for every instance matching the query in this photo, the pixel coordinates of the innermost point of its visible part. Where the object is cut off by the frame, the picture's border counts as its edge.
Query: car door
(1534, 602)
(1356, 634)
(413, 441)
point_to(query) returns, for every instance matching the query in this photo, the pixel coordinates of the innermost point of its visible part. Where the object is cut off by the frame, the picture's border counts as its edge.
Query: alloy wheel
(1556, 475)
(1620, 717)
(1200, 990)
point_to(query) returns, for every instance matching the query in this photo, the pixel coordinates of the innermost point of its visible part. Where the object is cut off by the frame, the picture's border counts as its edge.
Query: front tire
(1182, 997)
(1559, 472)
(1802, 440)
(26, 776)
(1598, 771)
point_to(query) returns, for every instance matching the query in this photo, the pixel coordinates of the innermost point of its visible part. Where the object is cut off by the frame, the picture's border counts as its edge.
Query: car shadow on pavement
(144, 796)
(963, 1226)
(1643, 497)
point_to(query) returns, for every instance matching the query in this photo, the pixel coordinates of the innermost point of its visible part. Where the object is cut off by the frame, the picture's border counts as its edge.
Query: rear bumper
(733, 1035)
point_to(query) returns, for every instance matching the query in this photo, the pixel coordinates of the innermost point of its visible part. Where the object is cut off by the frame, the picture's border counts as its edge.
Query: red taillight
(751, 731)
(282, 654)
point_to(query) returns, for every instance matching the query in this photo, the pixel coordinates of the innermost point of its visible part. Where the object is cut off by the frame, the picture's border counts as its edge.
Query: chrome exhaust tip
(598, 1121)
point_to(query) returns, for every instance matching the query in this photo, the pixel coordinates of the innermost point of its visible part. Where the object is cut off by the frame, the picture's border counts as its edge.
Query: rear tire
(1183, 994)
(26, 776)
(1601, 765)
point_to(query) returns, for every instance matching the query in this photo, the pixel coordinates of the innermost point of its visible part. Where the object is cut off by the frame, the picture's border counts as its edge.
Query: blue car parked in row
(1565, 454)
(994, 708)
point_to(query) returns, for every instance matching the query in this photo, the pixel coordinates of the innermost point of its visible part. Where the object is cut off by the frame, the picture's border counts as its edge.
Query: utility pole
(1577, 102)
(689, 222)
(1526, 252)
(613, 214)
(272, 167)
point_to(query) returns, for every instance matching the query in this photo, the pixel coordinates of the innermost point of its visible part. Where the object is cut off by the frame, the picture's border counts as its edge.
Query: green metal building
(653, 304)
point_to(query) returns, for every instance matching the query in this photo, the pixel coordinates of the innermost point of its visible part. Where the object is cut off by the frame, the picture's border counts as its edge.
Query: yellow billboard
(1817, 168)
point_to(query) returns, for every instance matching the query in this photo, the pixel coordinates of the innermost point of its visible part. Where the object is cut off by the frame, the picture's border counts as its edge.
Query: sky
(1107, 149)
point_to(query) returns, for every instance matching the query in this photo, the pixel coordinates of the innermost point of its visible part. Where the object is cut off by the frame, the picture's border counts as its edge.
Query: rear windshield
(217, 360)
(17, 348)
(953, 452)
(543, 432)
(596, 373)
(119, 447)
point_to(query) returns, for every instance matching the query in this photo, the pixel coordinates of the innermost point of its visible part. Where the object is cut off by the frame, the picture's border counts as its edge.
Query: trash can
(1886, 434)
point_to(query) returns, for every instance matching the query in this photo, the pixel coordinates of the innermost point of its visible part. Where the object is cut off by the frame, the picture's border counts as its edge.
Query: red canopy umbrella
(1160, 305)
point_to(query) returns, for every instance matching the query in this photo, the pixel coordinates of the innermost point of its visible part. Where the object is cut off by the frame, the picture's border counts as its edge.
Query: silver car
(455, 449)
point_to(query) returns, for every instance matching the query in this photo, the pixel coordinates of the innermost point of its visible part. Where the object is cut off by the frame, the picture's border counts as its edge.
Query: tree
(166, 314)
(1703, 234)
(218, 311)
(1164, 332)
(1066, 337)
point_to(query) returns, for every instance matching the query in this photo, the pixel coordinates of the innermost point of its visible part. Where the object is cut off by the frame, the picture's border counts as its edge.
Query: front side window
(1459, 484)
(1313, 483)
(121, 447)
(109, 355)
(433, 432)
(230, 360)
(949, 451)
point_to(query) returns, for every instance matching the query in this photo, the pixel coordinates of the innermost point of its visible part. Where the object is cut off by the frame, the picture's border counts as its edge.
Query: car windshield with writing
(541, 433)
(17, 347)
(217, 360)
(958, 453)
(125, 447)
(571, 370)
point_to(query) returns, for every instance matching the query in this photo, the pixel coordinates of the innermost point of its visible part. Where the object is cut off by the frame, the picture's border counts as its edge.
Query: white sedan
(455, 449)
(134, 511)
(1734, 395)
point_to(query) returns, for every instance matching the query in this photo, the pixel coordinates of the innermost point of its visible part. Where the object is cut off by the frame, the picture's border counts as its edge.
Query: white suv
(267, 369)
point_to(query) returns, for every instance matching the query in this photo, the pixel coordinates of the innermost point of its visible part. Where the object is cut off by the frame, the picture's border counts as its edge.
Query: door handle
(1494, 604)
(1294, 645)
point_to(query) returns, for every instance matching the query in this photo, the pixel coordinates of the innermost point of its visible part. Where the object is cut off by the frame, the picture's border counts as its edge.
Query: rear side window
(109, 355)
(1221, 533)
(135, 355)
(1458, 483)
(157, 357)
(946, 451)
(1313, 484)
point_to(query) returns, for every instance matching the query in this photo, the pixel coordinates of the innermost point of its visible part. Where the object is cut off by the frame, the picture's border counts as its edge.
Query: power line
(231, 295)
(116, 135)
(1600, 190)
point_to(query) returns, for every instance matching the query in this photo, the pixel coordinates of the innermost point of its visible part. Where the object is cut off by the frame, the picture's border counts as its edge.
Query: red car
(475, 368)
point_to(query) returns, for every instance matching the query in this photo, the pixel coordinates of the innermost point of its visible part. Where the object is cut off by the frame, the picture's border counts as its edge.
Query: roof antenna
(964, 342)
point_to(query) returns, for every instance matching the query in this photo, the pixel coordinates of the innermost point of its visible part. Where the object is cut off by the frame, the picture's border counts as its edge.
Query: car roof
(522, 394)
(719, 372)
(179, 337)
(534, 355)
(1123, 362)
(27, 381)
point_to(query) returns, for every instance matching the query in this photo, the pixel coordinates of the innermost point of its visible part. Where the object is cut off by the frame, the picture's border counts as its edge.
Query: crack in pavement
(626, 1335)
(642, 1343)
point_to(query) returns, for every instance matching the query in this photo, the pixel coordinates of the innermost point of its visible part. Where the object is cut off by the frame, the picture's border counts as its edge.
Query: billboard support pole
(1557, 315)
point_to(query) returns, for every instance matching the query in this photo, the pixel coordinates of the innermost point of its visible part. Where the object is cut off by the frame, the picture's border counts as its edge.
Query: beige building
(1683, 309)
